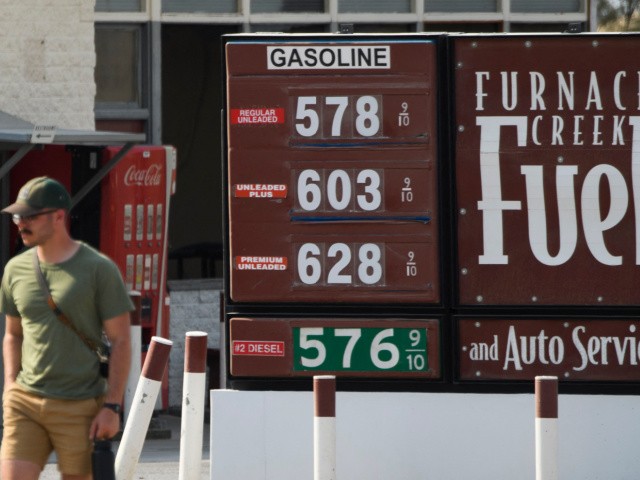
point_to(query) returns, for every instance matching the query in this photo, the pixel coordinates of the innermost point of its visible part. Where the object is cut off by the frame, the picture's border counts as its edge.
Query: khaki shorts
(35, 426)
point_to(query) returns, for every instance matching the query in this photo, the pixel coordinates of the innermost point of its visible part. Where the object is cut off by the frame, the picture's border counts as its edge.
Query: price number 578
(311, 112)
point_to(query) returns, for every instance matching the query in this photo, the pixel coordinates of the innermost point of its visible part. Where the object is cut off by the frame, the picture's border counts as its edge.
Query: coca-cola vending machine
(134, 230)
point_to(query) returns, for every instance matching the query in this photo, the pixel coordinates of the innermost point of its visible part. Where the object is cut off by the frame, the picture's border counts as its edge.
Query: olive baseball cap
(39, 194)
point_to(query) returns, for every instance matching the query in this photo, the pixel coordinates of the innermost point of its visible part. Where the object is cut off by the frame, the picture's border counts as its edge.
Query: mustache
(25, 230)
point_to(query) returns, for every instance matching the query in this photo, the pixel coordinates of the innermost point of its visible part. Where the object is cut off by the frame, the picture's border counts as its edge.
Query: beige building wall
(47, 60)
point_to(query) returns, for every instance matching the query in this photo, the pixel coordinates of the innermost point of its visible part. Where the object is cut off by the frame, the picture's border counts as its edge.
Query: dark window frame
(103, 6)
(129, 110)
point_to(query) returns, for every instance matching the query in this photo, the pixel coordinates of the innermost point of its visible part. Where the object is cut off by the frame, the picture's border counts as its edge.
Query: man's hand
(107, 422)
(105, 426)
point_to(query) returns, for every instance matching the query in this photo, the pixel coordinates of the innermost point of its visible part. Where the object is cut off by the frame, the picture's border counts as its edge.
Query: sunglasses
(28, 218)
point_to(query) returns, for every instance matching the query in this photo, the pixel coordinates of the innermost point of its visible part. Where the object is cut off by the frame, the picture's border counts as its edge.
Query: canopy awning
(14, 130)
(20, 136)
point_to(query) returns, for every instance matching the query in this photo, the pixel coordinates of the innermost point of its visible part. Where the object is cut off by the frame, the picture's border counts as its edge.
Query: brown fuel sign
(570, 348)
(332, 171)
(548, 170)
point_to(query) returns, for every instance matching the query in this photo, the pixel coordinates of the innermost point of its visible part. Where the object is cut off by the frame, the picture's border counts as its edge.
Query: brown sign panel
(249, 338)
(582, 349)
(332, 181)
(308, 264)
(548, 186)
(381, 348)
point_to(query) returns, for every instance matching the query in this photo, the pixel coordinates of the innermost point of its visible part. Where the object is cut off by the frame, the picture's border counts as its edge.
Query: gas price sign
(346, 347)
(332, 172)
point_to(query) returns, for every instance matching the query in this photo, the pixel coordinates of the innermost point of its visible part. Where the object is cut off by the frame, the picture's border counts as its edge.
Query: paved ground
(160, 457)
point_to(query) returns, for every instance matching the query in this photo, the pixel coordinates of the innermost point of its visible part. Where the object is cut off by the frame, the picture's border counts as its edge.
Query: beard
(27, 237)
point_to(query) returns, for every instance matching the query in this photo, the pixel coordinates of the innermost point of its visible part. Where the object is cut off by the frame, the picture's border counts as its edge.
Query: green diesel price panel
(360, 349)
(332, 170)
(345, 347)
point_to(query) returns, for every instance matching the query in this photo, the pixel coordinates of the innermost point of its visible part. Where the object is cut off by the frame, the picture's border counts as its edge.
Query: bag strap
(61, 316)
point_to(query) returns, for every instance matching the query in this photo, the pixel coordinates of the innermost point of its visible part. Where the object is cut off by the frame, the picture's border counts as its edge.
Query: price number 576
(362, 349)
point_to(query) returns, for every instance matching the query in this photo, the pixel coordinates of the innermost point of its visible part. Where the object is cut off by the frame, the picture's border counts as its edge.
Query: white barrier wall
(47, 60)
(410, 436)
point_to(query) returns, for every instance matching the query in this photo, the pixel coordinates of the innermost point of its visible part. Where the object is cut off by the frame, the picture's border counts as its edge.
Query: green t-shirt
(89, 289)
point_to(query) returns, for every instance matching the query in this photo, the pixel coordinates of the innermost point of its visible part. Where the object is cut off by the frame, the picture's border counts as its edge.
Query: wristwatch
(112, 406)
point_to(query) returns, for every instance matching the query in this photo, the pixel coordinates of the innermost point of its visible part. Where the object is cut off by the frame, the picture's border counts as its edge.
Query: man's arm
(12, 349)
(118, 331)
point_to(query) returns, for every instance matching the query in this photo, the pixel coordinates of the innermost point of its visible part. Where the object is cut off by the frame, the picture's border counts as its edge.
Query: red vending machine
(134, 230)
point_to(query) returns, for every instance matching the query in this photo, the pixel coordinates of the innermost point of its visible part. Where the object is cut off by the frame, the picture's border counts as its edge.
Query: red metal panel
(245, 362)
(547, 152)
(332, 172)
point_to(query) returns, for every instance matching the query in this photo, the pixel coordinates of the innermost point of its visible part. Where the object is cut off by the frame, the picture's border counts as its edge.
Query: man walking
(54, 396)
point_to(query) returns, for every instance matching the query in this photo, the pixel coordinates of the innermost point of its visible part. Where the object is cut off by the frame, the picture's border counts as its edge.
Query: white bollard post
(546, 393)
(136, 355)
(324, 427)
(143, 404)
(193, 399)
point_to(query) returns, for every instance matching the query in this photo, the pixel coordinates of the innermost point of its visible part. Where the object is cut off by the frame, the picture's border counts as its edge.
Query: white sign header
(329, 57)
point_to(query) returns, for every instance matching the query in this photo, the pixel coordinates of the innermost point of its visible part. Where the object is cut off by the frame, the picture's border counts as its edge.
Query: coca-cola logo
(149, 177)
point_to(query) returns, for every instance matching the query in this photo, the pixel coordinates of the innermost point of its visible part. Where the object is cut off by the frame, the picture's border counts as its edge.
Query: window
(121, 76)
(464, 27)
(280, 27)
(119, 5)
(200, 6)
(383, 28)
(374, 6)
(117, 73)
(456, 6)
(280, 6)
(545, 6)
(539, 27)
